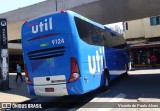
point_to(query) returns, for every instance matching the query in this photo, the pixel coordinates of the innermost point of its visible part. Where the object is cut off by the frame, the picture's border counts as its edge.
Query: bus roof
(74, 14)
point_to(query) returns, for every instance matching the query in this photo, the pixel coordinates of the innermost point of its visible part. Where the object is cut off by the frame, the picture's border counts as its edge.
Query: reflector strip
(43, 36)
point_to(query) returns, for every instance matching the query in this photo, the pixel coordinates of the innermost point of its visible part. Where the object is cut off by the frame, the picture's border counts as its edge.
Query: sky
(8, 5)
(118, 27)
(119, 24)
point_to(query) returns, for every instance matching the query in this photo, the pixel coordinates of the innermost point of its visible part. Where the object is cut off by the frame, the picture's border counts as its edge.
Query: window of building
(15, 41)
(155, 20)
(126, 26)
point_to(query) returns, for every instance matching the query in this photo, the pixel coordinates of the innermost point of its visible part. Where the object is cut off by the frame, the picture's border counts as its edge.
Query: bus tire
(106, 80)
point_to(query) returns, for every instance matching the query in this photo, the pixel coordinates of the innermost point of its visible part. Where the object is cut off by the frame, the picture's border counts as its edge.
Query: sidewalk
(144, 68)
(17, 91)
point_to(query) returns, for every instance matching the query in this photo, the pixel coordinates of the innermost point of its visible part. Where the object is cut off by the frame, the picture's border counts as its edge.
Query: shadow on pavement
(17, 90)
(136, 86)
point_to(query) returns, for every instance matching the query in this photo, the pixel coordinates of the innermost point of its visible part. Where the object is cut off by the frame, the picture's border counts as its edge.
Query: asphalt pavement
(141, 85)
(17, 91)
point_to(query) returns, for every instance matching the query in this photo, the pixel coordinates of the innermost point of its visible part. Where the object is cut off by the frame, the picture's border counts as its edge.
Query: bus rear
(46, 50)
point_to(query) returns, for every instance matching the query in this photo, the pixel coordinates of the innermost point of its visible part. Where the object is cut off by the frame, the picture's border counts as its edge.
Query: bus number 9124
(58, 41)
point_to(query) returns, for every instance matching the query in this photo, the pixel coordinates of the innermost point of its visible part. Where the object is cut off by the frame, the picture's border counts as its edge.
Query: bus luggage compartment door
(50, 86)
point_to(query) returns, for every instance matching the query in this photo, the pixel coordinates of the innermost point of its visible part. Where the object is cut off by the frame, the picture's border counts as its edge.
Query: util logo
(43, 26)
(95, 63)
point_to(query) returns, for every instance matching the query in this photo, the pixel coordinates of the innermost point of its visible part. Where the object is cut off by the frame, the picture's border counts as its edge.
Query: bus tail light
(75, 73)
(25, 22)
(62, 11)
(27, 76)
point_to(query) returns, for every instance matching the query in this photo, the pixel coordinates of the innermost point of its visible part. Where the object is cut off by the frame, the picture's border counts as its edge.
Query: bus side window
(98, 39)
(107, 39)
(89, 33)
(112, 34)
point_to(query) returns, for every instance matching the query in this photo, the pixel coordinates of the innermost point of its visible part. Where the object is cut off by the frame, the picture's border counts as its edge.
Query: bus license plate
(49, 89)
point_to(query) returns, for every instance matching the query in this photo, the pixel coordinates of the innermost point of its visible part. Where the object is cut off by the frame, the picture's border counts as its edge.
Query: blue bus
(67, 54)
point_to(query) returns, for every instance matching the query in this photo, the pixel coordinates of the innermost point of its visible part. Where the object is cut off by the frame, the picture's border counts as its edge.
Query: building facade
(143, 37)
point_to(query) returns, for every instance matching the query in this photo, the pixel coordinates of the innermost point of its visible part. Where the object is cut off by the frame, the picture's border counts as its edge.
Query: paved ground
(17, 91)
(140, 88)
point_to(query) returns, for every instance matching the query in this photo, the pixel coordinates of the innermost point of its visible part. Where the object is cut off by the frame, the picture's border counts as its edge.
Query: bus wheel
(106, 80)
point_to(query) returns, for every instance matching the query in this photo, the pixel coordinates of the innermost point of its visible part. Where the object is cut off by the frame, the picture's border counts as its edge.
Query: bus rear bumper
(51, 90)
(30, 89)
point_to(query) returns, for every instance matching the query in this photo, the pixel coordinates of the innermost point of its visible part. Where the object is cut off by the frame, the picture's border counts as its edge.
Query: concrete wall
(42, 8)
(135, 29)
(17, 17)
(151, 31)
(14, 30)
(140, 28)
(102, 11)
